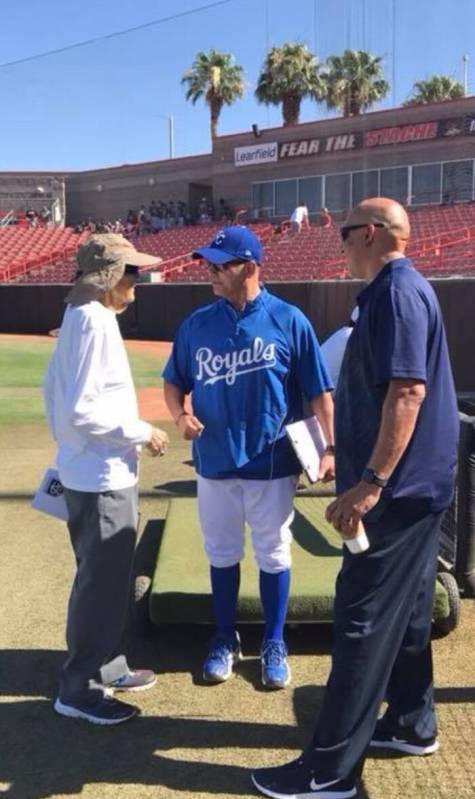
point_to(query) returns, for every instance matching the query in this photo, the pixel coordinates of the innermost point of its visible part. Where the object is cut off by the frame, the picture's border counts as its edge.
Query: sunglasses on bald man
(346, 229)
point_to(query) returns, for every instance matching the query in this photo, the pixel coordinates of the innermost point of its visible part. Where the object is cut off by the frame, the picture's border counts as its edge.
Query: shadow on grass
(311, 539)
(177, 488)
(44, 755)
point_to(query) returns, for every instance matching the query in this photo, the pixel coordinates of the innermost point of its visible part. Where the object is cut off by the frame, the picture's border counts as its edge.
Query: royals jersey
(247, 372)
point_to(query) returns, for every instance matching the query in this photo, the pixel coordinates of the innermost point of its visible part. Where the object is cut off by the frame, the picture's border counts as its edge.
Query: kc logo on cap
(234, 243)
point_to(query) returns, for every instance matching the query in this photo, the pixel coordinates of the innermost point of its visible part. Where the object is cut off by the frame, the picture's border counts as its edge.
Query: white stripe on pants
(266, 505)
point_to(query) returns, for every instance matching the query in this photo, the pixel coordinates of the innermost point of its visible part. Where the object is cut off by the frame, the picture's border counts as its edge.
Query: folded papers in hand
(309, 445)
(49, 497)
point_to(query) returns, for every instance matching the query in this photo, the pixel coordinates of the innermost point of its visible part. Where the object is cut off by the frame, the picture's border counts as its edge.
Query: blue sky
(100, 105)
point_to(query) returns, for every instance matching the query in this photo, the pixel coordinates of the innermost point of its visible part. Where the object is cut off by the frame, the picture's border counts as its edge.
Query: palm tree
(436, 89)
(218, 79)
(289, 74)
(354, 81)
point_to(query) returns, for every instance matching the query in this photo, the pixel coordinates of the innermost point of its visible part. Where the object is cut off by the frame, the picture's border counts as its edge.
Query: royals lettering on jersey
(246, 373)
(213, 367)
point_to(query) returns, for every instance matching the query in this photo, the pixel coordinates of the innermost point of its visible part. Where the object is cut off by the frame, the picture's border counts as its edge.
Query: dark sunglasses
(224, 267)
(346, 229)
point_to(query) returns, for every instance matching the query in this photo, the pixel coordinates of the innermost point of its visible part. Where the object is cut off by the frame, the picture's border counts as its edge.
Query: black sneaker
(106, 711)
(298, 780)
(402, 741)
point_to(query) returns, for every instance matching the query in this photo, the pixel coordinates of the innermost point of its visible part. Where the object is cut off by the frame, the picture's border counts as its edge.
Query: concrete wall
(159, 309)
(109, 193)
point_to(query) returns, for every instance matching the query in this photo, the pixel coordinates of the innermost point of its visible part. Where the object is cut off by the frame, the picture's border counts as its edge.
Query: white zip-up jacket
(91, 403)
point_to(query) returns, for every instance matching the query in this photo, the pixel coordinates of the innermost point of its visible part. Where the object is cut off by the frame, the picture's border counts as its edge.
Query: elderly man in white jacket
(93, 415)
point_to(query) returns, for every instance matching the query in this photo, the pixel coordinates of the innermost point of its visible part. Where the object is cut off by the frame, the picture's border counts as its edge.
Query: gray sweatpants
(103, 531)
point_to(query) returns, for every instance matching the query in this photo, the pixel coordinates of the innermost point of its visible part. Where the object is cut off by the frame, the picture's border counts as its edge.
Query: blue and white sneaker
(275, 668)
(224, 653)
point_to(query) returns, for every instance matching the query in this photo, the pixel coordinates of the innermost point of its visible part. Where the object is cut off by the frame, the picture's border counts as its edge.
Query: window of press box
(394, 183)
(285, 197)
(263, 199)
(457, 181)
(426, 184)
(364, 185)
(337, 192)
(310, 193)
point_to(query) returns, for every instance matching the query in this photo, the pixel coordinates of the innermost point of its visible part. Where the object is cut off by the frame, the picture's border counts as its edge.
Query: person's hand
(345, 512)
(189, 426)
(326, 473)
(158, 442)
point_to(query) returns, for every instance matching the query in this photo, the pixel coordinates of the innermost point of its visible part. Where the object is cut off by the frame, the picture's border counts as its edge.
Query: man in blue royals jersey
(248, 361)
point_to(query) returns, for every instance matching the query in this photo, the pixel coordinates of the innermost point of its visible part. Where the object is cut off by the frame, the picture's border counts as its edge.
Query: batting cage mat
(181, 590)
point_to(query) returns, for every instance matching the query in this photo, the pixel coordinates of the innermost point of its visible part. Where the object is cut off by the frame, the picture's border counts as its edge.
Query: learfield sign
(256, 154)
(398, 134)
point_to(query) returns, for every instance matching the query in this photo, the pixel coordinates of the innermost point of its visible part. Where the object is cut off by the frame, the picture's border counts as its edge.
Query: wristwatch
(370, 476)
(329, 449)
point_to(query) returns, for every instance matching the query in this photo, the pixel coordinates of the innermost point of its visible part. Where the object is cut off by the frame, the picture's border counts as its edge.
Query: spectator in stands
(143, 221)
(118, 227)
(131, 222)
(299, 219)
(92, 413)
(225, 213)
(45, 215)
(324, 218)
(171, 214)
(396, 426)
(155, 217)
(31, 216)
(203, 211)
(182, 213)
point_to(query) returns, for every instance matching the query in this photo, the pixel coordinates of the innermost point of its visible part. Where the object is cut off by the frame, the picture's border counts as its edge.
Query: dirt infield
(151, 402)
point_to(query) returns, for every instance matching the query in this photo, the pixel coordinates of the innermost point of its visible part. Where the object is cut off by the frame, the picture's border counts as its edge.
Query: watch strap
(370, 476)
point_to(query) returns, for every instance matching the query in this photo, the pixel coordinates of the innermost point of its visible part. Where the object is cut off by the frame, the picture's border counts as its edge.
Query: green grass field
(22, 368)
(191, 741)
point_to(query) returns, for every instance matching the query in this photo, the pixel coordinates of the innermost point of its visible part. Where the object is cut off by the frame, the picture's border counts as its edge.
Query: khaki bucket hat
(101, 264)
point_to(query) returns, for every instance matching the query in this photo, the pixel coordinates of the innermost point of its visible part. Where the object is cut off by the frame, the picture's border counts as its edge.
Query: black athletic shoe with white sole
(402, 741)
(298, 780)
(107, 711)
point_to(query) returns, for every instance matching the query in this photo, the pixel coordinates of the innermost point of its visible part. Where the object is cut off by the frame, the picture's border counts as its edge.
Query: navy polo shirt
(399, 334)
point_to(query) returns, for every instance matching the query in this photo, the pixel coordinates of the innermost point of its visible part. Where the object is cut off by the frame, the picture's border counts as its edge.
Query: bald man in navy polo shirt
(396, 432)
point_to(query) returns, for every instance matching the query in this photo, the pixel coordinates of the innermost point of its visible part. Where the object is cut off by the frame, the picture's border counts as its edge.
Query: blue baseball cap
(236, 243)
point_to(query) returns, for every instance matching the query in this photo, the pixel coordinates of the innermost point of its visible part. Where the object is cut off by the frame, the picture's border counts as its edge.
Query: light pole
(465, 73)
(171, 133)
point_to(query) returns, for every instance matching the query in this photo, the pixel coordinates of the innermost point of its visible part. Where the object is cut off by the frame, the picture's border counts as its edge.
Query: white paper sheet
(49, 497)
(309, 445)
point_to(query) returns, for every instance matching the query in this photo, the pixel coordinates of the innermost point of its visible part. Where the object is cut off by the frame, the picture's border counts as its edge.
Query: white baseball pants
(266, 505)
